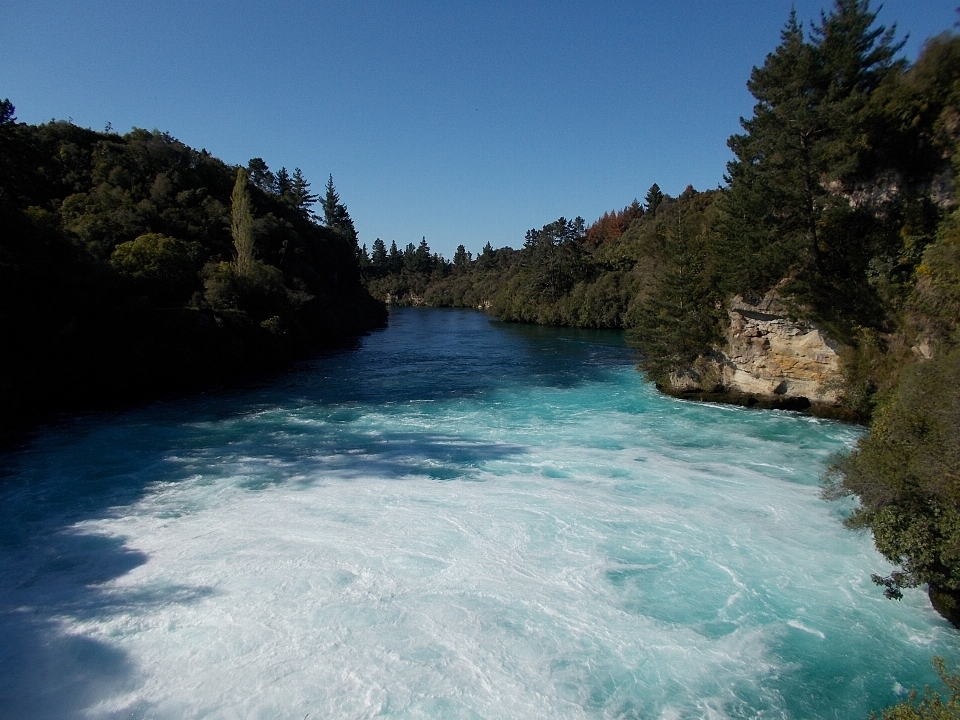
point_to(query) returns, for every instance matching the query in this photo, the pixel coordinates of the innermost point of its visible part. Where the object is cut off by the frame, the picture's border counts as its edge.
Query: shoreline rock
(767, 360)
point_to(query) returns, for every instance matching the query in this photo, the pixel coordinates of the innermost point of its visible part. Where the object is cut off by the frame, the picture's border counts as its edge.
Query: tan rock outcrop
(768, 354)
(767, 358)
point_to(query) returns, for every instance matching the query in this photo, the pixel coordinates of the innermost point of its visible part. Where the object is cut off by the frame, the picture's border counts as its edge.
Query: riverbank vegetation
(133, 266)
(842, 196)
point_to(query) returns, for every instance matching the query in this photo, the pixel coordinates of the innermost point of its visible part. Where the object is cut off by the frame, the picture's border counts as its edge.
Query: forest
(843, 196)
(134, 267)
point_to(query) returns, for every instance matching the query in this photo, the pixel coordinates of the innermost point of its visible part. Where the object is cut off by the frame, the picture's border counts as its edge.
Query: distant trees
(379, 261)
(260, 175)
(612, 225)
(300, 193)
(462, 258)
(292, 189)
(553, 261)
(6, 112)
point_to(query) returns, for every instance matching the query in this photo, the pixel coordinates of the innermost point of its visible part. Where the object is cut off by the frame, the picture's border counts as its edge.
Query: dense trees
(565, 272)
(906, 474)
(677, 319)
(134, 265)
(787, 213)
(834, 197)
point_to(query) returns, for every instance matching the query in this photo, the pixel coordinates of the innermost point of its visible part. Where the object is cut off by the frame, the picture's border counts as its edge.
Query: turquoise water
(456, 518)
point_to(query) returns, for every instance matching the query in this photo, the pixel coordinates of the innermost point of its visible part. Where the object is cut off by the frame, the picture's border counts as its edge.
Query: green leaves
(906, 473)
(241, 225)
(163, 266)
(808, 139)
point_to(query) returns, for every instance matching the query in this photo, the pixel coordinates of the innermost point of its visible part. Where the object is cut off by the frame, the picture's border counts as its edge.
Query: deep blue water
(456, 518)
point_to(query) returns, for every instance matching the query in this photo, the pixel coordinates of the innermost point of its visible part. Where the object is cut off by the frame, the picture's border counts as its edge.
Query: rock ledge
(767, 360)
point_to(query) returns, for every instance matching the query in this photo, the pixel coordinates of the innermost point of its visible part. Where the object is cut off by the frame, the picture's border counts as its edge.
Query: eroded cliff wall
(767, 358)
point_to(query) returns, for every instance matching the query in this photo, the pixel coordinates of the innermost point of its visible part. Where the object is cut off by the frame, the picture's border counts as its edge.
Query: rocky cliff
(766, 359)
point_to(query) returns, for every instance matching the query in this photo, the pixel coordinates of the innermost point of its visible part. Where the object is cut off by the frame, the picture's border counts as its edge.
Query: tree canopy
(133, 265)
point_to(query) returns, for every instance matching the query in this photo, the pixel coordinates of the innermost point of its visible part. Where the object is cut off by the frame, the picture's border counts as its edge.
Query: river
(453, 518)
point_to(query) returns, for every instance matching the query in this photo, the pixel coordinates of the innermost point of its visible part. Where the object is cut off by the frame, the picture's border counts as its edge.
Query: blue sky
(464, 122)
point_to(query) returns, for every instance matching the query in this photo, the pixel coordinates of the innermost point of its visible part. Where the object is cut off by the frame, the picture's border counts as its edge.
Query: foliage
(906, 474)
(678, 319)
(653, 198)
(932, 705)
(163, 266)
(565, 274)
(792, 210)
(335, 214)
(612, 225)
(127, 269)
(241, 226)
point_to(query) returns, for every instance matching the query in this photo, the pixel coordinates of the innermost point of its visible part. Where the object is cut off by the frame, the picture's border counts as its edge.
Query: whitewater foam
(556, 542)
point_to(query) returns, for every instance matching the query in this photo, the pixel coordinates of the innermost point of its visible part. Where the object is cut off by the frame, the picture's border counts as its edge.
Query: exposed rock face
(767, 359)
(768, 354)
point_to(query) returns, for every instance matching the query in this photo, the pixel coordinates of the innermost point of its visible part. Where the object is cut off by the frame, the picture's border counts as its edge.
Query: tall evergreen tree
(378, 258)
(396, 257)
(774, 182)
(653, 199)
(282, 185)
(677, 320)
(6, 112)
(784, 213)
(461, 258)
(335, 213)
(300, 190)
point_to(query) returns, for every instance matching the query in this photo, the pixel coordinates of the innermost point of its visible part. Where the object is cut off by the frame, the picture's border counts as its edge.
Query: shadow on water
(300, 427)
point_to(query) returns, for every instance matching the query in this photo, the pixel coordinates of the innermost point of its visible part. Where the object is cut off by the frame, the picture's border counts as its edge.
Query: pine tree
(241, 226)
(260, 175)
(378, 259)
(653, 199)
(330, 203)
(396, 258)
(677, 320)
(281, 183)
(461, 258)
(300, 190)
(783, 215)
(6, 112)
(335, 213)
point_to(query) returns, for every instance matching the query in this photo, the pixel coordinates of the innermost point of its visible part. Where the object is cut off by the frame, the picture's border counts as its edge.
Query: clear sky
(461, 121)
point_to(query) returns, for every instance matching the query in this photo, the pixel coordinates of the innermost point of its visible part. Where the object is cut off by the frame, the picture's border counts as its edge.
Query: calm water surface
(457, 518)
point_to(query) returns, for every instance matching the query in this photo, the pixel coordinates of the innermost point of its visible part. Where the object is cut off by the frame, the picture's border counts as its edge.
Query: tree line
(133, 266)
